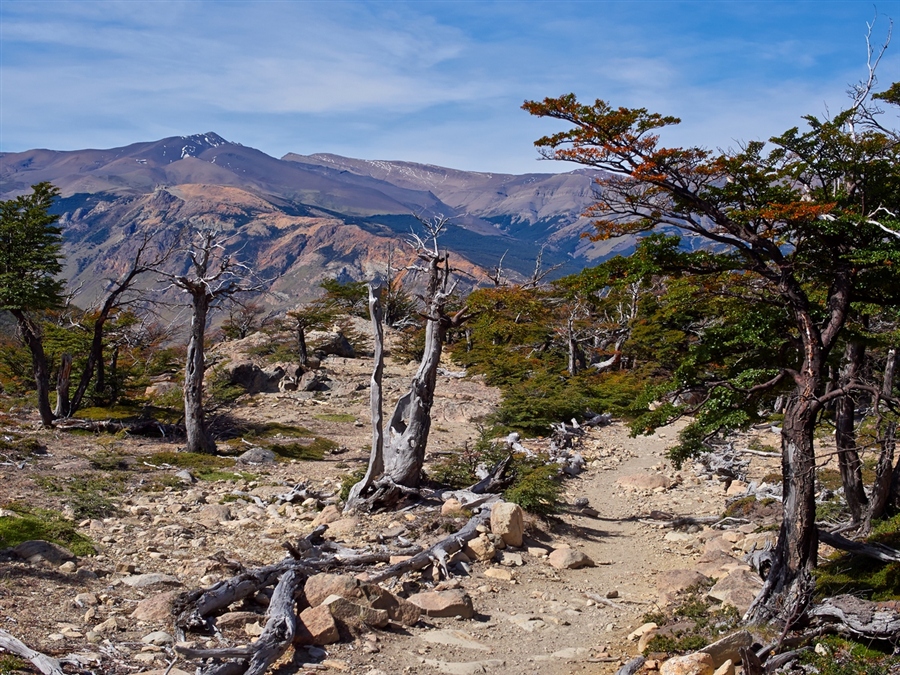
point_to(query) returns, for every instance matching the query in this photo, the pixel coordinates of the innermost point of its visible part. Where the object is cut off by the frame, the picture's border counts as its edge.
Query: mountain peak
(197, 143)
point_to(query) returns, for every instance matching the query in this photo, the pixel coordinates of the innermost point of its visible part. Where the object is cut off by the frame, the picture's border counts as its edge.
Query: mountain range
(303, 218)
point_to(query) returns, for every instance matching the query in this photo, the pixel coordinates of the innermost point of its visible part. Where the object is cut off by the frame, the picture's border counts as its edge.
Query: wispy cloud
(439, 81)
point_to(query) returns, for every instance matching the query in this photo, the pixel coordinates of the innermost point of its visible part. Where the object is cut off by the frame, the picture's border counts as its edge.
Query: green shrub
(846, 657)
(312, 451)
(351, 479)
(90, 495)
(866, 577)
(537, 491)
(33, 523)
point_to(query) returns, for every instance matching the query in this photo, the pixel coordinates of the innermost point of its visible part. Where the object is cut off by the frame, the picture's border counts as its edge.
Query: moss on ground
(34, 523)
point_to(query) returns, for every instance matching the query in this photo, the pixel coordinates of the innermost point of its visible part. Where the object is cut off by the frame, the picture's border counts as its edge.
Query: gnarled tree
(395, 464)
(212, 275)
(799, 220)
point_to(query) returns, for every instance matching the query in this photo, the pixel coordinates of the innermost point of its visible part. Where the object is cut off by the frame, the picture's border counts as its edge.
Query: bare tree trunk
(845, 434)
(32, 337)
(789, 585)
(884, 479)
(63, 408)
(410, 424)
(198, 440)
(376, 397)
(301, 347)
(887, 385)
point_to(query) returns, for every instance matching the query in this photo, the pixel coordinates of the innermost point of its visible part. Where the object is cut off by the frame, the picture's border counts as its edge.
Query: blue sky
(435, 82)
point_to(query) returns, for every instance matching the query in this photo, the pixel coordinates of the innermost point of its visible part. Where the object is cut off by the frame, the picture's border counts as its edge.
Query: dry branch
(44, 663)
(874, 550)
(873, 620)
(439, 552)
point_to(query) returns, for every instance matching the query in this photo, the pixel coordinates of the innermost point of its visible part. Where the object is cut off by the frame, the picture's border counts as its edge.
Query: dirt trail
(544, 620)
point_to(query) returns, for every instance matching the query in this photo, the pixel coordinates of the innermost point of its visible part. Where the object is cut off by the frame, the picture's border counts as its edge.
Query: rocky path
(112, 610)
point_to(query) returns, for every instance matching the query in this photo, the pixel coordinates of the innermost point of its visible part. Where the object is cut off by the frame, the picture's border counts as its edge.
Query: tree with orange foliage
(807, 220)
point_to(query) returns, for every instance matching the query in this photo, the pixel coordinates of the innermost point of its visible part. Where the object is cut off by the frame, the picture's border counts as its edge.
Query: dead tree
(403, 453)
(212, 276)
(141, 263)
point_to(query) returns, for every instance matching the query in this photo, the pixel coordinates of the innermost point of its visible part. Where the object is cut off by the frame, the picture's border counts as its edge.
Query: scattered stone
(739, 589)
(152, 579)
(317, 627)
(645, 481)
(508, 522)
(444, 603)
(699, 663)
(728, 648)
(156, 607)
(111, 625)
(86, 600)
(185, 477)
(253, 629)
(498, 573)
(158, 638)
(236, 619)
(257, 455)
(454, 638)
(350, 613)
(569, 559)
(68, 567)
(38, 550)
(567, 654)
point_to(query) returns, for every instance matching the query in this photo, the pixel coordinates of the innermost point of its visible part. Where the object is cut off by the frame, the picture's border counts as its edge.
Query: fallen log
(864, 618)
(277, 635)
(871, 550)
(44, 663)
(439, 552)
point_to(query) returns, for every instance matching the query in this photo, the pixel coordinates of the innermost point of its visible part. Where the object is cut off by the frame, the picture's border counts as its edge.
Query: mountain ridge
(328, 215)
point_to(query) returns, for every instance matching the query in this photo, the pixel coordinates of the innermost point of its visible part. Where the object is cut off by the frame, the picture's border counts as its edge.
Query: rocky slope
(532, 611)
(299, 219)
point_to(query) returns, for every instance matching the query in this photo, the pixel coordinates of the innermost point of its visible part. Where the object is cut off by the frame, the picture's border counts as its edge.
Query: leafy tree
(801, 224)
(30, 254)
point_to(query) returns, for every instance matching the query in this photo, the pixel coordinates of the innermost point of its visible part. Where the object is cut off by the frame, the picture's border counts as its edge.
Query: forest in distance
(786, 317)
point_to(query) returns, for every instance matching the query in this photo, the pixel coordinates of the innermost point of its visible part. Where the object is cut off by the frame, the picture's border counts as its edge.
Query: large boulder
(508, 522)
(335, 344)
(253, 378)
(444, 603)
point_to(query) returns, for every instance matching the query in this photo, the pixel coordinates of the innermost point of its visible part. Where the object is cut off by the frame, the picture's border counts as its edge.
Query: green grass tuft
(44, 524)
(336, 417)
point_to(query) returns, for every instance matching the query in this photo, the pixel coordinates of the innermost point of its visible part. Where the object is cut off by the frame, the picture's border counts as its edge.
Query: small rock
(699, 663)
(185, 477)
(158, 638)
(569, 559)
(508, 522)
(153, 579)
(498, 573)
(317, 627)
(253, 629)
(739, 589)
(86, 600)
(444, 603)
(68, 567)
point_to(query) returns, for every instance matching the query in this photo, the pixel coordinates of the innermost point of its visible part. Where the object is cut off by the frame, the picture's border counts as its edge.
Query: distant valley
(300, 219)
